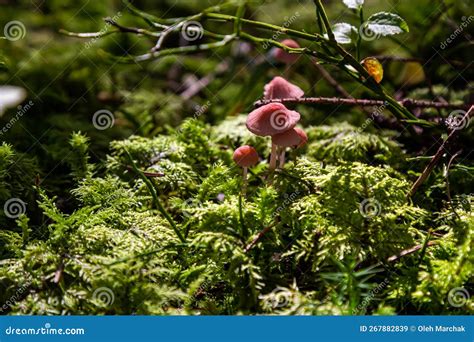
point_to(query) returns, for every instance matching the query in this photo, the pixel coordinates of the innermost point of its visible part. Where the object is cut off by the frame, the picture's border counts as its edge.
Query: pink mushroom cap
(283, 56)
(295, 137)
(271, 119)
(279, 88)
(245, 156)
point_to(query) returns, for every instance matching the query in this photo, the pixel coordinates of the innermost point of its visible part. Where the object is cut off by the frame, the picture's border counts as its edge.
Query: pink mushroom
(295, 138)
(271, 119)
(279, 88)
(283, 56)
(245, 156)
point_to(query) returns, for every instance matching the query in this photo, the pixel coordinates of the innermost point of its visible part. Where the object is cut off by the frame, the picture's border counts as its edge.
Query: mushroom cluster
(276, 121)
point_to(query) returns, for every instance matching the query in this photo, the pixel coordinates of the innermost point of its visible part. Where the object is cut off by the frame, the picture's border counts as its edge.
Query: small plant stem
(240, 13)
(156, 200)
(241, 216)
(359, 38)
(325, 19)
(273, 158)
(244, 181)
(282, 158)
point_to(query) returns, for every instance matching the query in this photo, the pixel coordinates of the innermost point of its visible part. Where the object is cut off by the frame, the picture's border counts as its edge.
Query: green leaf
(353, 3)
(343, 32)
(386, 24)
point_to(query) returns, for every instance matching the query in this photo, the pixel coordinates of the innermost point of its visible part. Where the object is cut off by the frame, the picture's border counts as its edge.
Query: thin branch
(181, 50)
(134, 30)
(340, 89)
(411, 251)
(362, 102)
(259, 236)
(448, 186)
(94, 35)
(429, 168)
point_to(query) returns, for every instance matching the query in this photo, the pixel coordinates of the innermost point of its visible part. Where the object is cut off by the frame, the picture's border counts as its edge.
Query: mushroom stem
(244, 181)
(282, 158)
(273, 158)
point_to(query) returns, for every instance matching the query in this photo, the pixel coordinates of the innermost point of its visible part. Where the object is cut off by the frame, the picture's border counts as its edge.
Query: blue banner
(237, 328)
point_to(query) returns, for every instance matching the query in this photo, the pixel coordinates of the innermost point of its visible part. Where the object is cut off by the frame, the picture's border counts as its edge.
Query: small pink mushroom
(271, 119)
(279, 88)
(283, 56)
(295, 138)
(245, 156)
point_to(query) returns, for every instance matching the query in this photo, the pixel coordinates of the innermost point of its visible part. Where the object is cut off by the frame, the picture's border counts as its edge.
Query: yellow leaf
(374, 68)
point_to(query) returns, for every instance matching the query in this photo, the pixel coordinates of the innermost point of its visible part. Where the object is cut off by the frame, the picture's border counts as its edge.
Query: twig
(59, 271)
(135, 30)
(148, 174)
(331, 80)
(202, 83)
(259, 236)
(447, 173)
(411, 251)
(426, 172)
(181, 50)
(448, 186)
(362, 102)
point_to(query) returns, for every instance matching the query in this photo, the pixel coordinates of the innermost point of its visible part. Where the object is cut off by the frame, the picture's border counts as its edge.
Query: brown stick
(361, 102)
(426, 172)
(327, 76)
(258, 237)
(410, 251)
